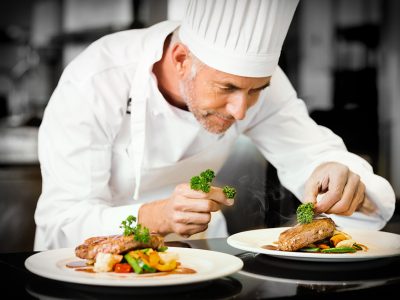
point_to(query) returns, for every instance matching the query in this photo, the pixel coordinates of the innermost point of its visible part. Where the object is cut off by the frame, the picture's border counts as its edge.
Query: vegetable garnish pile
(340, 242)
(145, 260)
(203, 181)
(150, 261)
(139, 261)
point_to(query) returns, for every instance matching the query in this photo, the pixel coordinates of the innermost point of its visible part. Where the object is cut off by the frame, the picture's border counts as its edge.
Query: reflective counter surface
(262, 277)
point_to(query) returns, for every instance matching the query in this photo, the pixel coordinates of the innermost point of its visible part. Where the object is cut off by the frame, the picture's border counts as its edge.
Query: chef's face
(218, 99)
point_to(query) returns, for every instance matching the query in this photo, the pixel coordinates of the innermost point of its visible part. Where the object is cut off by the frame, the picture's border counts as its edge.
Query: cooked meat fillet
(115, 244)
(302, 235)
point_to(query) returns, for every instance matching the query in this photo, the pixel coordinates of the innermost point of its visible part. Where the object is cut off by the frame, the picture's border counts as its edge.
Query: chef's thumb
(218, 196)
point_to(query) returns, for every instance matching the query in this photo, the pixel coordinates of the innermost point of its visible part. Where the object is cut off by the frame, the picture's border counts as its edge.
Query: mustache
(219, 115)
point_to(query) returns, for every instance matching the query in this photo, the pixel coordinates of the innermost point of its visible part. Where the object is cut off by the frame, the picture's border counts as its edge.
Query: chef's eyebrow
(231, 86)
(262, 87)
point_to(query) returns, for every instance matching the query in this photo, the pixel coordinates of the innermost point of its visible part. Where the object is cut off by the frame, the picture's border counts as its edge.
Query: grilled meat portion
(115, 244)
(302, 235)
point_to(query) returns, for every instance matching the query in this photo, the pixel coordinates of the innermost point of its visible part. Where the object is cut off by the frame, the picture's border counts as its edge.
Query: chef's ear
(180, 58)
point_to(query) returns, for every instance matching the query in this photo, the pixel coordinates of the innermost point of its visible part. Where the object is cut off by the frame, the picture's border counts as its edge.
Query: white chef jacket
(110, 142)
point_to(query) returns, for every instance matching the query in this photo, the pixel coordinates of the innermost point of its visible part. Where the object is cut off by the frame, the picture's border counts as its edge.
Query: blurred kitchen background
(343, 57)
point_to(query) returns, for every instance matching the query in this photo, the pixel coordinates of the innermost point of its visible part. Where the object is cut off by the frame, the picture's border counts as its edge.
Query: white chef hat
(241, 37)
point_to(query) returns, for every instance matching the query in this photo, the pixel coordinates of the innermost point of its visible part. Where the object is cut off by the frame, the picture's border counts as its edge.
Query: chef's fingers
(185, 204)
(350, 198)
(358, 200)
(185, 190)
(336, 183)
(186, 230)
(193, 218)
(367, 206)
(216, 194)
(311, 191)
(188, 223)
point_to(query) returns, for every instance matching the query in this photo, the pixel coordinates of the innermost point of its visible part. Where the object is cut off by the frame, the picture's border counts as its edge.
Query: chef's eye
(257, 91)
(228, 89)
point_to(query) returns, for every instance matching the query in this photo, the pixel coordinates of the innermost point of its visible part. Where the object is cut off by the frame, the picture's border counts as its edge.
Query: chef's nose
(237, 106)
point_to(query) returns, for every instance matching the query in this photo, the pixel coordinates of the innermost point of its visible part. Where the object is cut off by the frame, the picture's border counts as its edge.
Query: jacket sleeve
(296, 145)
(75, 152)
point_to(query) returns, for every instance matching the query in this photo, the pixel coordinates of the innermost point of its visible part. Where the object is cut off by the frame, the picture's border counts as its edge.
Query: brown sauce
(87, 270)
(270, 247)
(76, 264)
(183, 271)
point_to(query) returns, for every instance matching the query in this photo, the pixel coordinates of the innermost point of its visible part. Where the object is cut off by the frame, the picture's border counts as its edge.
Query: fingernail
(231, 201)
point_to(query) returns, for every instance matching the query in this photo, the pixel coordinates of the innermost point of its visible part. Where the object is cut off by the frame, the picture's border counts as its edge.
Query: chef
(140, 112)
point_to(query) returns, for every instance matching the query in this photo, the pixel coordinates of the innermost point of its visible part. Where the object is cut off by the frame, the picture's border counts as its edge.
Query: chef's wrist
(150, 215)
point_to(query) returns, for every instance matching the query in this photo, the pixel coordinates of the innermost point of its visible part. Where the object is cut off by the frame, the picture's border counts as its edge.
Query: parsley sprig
(203, 181)
(230, 192)
(305, 213)
(140, 233)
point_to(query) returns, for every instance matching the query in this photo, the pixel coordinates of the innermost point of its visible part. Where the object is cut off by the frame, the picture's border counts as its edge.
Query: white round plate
(207, 264)
(380, 244)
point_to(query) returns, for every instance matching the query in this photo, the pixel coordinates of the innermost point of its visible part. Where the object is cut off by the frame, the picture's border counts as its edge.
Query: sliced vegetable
(146, 268)
(133, 263)
(105, 262)
(310, 249)
(122, 268)
(334, 240)
(171, 265)
(323, 246)
(154, 258)
(339, 250)
(346, 243)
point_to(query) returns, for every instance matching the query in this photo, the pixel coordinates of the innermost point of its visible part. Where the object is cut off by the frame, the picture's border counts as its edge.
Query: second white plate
(380, 244)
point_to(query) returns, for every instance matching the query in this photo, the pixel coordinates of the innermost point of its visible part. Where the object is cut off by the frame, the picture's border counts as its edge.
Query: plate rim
(234, 265)
(301, 256)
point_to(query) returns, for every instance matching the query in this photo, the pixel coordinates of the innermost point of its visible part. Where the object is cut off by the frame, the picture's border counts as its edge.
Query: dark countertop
(262, 277)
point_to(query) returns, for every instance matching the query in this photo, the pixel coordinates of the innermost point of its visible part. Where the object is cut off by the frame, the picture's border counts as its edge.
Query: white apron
(158, 183)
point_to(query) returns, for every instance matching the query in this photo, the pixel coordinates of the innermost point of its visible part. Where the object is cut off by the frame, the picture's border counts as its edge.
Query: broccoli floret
(229, 192)
(305, 213)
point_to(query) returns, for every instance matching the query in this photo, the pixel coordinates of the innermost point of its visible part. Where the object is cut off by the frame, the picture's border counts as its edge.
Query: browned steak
(302, 235)
(115, 244)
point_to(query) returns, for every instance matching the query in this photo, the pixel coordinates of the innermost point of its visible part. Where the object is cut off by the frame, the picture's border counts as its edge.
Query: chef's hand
(186, 212)
(344, 193)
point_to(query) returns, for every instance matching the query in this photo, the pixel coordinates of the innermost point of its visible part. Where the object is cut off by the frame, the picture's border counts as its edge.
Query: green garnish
(141, 233)
(230, 192)
(133, 263)
(339, 250)
(310, 249)
(162, 249)
(203, 183)
(305, 213)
